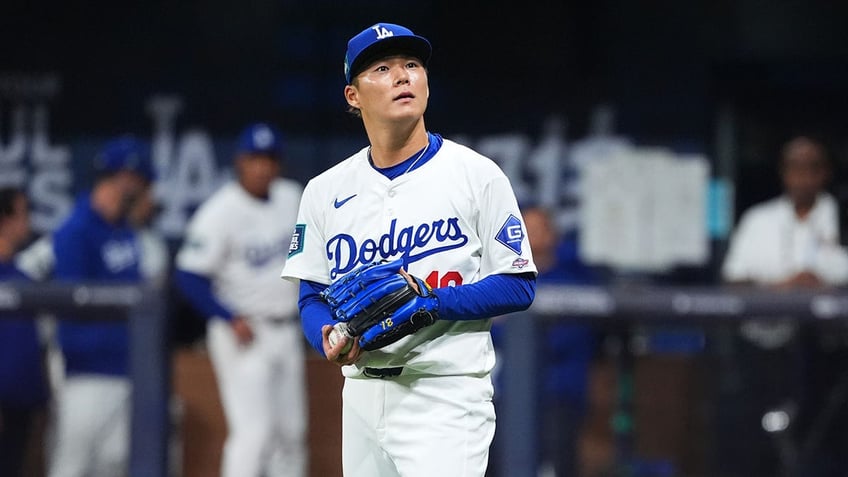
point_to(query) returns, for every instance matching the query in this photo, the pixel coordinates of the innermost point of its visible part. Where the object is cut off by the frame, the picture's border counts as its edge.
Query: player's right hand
(334, 354)
(242, 330)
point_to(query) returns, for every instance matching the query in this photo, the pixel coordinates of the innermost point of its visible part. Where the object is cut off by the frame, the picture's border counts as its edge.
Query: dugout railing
(150, 372)
(620, 309)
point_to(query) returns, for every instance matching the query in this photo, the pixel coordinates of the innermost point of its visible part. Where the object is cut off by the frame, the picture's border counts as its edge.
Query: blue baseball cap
(125, 153)
(260, 138)
(380, 40)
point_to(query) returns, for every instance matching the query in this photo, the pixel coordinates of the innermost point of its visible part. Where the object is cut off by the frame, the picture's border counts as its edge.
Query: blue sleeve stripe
(197, 289)
(492, 296)
(314, 313)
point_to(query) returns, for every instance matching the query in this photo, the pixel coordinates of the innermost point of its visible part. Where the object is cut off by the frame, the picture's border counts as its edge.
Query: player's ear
(352, 96)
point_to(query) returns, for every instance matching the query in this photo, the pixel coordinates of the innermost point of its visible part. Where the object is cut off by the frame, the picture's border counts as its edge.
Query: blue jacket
(88, 248)
(23, 381)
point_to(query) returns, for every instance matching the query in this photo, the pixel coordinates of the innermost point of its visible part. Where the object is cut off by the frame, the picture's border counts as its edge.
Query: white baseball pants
(414, 426)
(92, 427)
(262, 389)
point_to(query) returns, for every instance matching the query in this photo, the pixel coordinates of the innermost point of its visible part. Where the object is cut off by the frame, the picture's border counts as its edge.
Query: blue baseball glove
(380, 305)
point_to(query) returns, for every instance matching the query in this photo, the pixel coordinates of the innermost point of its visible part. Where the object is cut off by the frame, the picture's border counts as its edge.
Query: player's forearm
(197, 289)
(492, 296)
(314, 313)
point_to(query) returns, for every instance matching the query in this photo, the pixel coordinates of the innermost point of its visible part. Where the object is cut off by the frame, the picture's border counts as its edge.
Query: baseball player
(421, 406)
(228, 270)
(96, 243)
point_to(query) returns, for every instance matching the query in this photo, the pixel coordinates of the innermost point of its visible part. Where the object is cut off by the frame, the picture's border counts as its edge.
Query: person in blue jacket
(96, 243)
(565, 353)
(567, 348)
(23, 382)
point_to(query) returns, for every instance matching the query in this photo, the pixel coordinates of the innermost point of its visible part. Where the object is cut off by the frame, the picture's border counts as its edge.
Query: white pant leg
(289, 453)
(418, 426)
(363, 429)
(440, 425)
(92, 427)
(112, 457)
(244, 381)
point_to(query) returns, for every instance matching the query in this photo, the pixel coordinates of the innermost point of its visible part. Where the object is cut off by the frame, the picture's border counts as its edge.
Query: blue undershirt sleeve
(197, 289)
(492, 296)
(314, 313)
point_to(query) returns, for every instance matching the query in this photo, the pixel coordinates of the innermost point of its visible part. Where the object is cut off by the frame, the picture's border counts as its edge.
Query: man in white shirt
(790, 241)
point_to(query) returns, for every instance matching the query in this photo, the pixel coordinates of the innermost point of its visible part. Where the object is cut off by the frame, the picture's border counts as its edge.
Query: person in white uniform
(788, 242)
(421, 406)
(228, 269)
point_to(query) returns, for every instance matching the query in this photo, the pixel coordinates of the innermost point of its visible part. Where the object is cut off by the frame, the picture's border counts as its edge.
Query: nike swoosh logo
(338, 203)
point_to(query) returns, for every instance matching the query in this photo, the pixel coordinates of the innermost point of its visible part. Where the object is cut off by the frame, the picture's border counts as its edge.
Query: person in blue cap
(97, 243)
(228, 270)
(422, 405)
(23, 381)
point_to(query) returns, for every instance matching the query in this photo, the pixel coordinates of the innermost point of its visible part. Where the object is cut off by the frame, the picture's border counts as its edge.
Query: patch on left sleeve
(297, 240)
(511, 234)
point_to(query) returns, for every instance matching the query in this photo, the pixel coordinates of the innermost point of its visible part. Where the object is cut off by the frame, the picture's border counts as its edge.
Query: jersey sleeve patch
(511, 234)
(297, 240)
(520, 263)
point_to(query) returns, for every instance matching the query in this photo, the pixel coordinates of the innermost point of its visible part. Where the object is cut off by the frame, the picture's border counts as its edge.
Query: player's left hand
(242, 330)
(381, 303)
(334, 354)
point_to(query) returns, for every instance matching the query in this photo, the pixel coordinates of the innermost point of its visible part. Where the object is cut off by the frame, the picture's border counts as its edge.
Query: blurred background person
(97, 243)
(790, 241)
(228, 269)
(23, 381)
(565, 355)
(37, 260)
(567, 347)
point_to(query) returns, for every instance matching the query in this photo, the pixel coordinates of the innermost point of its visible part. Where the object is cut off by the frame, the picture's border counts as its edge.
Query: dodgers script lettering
(411, 243)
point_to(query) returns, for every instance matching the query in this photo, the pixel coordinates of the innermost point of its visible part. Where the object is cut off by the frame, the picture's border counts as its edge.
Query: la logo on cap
(382, 32)
(263, 137)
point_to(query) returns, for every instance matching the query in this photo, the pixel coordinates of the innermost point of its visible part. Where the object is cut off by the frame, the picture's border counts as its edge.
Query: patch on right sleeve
(297, 240)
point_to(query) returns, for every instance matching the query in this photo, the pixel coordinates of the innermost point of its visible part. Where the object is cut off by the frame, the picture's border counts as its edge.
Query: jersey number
(449, 279)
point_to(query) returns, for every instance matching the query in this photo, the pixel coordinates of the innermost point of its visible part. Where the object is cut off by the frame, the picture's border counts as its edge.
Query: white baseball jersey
(454, 220)
(240, 241)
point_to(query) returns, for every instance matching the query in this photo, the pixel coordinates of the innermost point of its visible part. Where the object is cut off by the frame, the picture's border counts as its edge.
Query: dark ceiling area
(666, 66)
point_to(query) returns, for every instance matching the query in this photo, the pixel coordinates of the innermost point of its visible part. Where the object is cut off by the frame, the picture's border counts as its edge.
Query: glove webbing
(346, 286)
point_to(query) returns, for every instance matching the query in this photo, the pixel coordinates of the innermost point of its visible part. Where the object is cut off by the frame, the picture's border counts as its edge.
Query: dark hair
(811, 139)
(7, 201)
